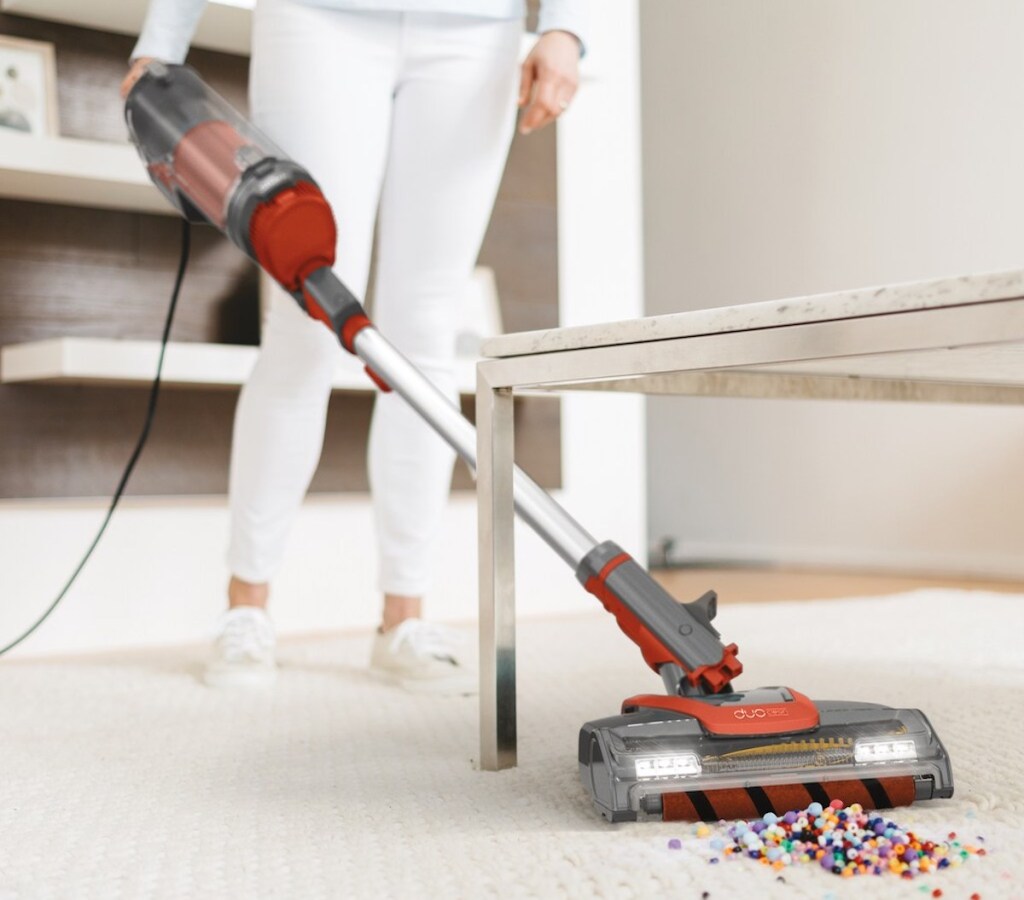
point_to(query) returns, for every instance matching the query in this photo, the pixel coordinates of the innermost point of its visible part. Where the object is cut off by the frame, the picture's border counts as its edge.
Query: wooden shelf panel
(105, 361)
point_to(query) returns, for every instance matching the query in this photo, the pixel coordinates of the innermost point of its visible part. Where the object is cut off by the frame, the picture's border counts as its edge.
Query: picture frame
(28, 87)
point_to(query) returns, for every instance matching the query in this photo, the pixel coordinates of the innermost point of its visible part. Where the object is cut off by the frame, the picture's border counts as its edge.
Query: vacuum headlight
(667, 766)
(884, 751)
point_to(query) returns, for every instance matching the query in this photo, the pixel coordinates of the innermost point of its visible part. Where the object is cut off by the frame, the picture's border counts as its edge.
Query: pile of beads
(843, 840)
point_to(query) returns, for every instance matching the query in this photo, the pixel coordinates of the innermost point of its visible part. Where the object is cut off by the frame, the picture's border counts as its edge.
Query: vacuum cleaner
(702, 750)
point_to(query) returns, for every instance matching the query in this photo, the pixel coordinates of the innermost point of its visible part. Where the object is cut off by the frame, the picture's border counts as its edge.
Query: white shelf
(105, 361)
(224, 25)
(77, 172)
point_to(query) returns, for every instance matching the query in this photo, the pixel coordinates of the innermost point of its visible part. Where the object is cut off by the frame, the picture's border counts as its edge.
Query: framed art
(28, 87)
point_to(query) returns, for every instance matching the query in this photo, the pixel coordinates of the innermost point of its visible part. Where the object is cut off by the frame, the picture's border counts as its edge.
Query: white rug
(123, 777)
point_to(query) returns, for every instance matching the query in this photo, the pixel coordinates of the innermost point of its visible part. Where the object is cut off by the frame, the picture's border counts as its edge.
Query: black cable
(154, 393)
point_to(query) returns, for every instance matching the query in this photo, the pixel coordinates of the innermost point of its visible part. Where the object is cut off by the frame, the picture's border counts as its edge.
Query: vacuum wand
(214, 166)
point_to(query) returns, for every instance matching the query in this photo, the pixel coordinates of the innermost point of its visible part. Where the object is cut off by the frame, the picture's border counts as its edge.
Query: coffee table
(952, 340)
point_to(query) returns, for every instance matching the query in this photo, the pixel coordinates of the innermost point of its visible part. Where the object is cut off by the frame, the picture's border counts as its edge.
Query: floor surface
(124, 777)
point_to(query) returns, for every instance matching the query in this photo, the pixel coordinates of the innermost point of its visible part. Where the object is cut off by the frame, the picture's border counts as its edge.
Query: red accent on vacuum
(377, 380)
(800, 714)
(353, 325)
(736, 803)
(717, 676)
(654, 651)
(293, 234)
(714, 677)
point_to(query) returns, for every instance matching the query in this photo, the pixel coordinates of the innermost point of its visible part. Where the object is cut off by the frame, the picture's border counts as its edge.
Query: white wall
(801, 146)
(158, 575)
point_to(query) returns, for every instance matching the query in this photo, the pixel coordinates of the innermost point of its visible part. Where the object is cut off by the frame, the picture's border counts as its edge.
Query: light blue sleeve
(168, 29)
(565, 15)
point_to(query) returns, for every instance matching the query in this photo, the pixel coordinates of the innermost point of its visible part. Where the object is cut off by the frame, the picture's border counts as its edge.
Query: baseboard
(866, 559)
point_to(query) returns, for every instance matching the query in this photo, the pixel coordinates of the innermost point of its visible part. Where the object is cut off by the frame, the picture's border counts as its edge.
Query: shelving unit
(111, 176)
(108, 175)
(106, 361)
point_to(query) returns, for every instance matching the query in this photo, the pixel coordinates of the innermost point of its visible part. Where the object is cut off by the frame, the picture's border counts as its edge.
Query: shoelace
(244, 635)
(427, 639)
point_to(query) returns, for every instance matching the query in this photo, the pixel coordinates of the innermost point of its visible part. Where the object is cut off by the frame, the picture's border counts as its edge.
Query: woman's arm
(565, 15)
(550, 73)
(166, 34)
(168, 29)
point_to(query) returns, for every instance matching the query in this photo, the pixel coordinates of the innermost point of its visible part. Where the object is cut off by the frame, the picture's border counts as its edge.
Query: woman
(403, 110)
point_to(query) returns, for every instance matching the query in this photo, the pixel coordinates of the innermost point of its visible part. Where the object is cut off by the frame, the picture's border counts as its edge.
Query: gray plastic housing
(169, 109)
(684, 629)
(610, 748)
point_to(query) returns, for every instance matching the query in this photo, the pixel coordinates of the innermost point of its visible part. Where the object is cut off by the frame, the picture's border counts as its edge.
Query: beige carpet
(123, 777)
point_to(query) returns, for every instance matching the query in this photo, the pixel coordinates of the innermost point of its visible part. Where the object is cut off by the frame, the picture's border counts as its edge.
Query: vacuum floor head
(740, 755)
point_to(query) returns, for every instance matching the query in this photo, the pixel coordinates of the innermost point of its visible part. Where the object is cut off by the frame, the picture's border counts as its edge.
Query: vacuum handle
(666, 631)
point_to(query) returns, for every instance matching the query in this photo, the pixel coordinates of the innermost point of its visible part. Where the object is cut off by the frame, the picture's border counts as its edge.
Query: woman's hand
(135, 71)
(549, 79)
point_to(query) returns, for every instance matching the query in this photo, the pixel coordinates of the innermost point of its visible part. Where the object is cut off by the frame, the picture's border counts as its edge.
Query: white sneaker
(243, 653)
(421, 657)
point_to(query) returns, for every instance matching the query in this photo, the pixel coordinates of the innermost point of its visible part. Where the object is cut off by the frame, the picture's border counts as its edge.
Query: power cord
(154, 393)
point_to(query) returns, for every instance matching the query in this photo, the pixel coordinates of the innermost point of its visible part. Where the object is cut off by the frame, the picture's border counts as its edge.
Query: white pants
(414, 113)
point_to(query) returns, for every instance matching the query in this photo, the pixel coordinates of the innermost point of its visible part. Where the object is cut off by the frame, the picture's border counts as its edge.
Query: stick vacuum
(700, 751)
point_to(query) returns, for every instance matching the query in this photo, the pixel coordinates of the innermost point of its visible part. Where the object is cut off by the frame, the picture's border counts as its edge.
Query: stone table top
(872, 301)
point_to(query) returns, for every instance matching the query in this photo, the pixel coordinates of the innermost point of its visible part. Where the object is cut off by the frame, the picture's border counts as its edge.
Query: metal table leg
(495, 519)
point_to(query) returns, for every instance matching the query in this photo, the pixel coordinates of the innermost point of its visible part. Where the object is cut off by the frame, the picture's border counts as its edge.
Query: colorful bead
(844, 840)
